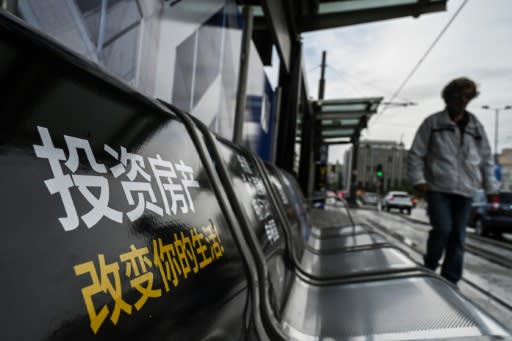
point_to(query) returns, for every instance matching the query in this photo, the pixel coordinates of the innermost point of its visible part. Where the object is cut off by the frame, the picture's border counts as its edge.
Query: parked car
(491, 217)
(370, 198)
(398, 200)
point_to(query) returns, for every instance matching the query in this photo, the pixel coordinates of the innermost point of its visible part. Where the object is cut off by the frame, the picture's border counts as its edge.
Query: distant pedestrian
(450, 159)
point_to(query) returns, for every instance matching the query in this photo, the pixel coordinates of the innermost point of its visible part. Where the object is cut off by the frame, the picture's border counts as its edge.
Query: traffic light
(379, 172)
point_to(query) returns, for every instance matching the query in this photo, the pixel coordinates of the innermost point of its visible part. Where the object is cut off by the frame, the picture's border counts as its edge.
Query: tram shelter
(335, 120)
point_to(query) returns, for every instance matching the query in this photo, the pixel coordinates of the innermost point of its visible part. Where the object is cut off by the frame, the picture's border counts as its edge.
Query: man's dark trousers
(449, 214)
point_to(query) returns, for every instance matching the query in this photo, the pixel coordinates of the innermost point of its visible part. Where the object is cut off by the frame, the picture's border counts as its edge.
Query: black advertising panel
(292, 207)
(111, 227)
(262, 216)
(252, 194)
(297, 199)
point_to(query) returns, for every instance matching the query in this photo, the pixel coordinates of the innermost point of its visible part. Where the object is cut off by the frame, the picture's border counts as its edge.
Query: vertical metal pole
(353, 170)
(496, 135)
(348, 170)
(320, 157)
(277, 106)
(194, 72)
(101, 34)
(321, 84)
(290, 104)
(238, 129)
(307, 163)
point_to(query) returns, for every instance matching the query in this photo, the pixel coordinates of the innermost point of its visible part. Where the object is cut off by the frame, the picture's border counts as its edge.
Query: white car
(398, 200)
(370, 198)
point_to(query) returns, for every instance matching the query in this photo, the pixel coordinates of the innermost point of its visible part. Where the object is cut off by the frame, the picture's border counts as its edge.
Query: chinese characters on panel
(183, 255)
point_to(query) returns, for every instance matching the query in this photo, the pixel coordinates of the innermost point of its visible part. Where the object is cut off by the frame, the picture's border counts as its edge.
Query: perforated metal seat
(360, 262)
(330, 245)
(336, 231)
(403, 305)
(393, 309)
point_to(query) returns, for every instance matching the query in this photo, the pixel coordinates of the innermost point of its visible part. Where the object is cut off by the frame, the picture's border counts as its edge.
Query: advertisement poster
(186, 53)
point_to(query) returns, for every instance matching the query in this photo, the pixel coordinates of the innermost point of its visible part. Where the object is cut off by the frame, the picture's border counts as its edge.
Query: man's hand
(421, 187)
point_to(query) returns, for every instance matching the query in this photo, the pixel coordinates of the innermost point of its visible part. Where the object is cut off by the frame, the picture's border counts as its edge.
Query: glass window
(116, 39)
(59, 21)
(120, 16)
(184, 66)
(119, 57)
(200, 56)
(209, 52)
(105, 31)
(87, 6)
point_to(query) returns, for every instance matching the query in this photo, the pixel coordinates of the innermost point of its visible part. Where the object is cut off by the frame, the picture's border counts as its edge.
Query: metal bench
(376, 256)
(127, 219)
(346, 235)
(114, 228)
(392, 305)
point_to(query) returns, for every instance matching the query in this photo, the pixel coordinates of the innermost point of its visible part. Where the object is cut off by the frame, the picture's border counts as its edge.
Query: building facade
(389, 156)
(505, 160)
(335, 178)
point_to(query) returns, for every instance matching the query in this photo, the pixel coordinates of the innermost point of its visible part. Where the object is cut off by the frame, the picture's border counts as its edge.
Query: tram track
(411, 247)
(490, 256)
(495, 251)
(501, 244)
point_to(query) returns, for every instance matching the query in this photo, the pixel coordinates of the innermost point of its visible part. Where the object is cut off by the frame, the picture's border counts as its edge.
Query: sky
(372, 60)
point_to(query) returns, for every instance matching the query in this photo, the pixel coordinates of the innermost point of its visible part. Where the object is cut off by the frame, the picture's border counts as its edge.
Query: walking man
(450, 159)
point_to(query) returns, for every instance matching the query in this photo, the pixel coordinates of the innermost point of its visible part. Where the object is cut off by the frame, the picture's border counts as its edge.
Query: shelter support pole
(353, 170)
(238, 129)
(307, 150)
(290, 106)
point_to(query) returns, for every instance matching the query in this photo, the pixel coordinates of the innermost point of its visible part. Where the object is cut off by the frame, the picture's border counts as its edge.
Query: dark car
(491, 217)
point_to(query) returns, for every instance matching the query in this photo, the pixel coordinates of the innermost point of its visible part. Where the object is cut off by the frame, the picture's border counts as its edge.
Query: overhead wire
(313, 68)
(354, 87)
(422, 59)
(349, 76)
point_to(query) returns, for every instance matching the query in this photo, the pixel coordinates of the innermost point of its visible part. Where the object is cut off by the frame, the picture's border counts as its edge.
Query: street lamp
(497, 111)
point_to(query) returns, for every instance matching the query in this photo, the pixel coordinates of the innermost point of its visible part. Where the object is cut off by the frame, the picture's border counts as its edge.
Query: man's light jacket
(449, 162)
